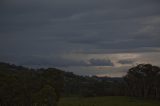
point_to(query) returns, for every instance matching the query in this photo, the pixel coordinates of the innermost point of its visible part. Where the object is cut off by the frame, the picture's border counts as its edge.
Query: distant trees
(86, 86)
(23, 86)
(143, 81)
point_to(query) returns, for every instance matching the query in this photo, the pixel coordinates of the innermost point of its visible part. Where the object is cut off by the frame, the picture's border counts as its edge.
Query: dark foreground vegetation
(140, 81)
(20, 86)
(43, 87)
(85, 86)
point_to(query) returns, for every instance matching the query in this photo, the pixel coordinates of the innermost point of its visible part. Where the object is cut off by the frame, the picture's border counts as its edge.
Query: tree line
(142, 80)
(89, 86)
(42, 87)
(27, 87)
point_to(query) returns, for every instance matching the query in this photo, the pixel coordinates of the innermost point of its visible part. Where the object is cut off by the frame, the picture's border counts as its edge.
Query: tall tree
(143, 80)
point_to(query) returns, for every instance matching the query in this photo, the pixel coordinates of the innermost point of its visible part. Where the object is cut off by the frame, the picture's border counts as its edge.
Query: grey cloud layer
(63, 62)
(57, 27)
(101, 62)
(125, 61)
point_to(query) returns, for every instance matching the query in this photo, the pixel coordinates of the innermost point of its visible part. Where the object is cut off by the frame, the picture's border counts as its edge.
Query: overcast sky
(87, 37)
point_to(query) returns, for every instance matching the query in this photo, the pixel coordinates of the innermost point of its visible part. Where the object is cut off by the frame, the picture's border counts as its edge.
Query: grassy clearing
(107, 101)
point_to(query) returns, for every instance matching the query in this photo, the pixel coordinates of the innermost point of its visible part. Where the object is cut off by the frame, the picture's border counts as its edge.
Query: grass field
(107, 101)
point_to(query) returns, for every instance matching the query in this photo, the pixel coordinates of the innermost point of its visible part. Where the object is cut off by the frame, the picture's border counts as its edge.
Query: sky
(86, 37)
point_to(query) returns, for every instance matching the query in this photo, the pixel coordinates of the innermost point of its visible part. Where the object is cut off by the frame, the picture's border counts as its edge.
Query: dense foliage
(86, 86)
(143, 81)
(23, 86)
(140, 81)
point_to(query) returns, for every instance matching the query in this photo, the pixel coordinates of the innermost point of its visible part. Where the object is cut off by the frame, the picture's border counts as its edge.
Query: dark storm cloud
(114, 51)
(62, 62)
(57, 27)
(126, 61)
(101, 62)
(78, 16)
(52, 62)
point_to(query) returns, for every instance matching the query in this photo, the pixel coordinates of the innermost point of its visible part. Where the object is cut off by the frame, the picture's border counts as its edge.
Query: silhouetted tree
(143, 80)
